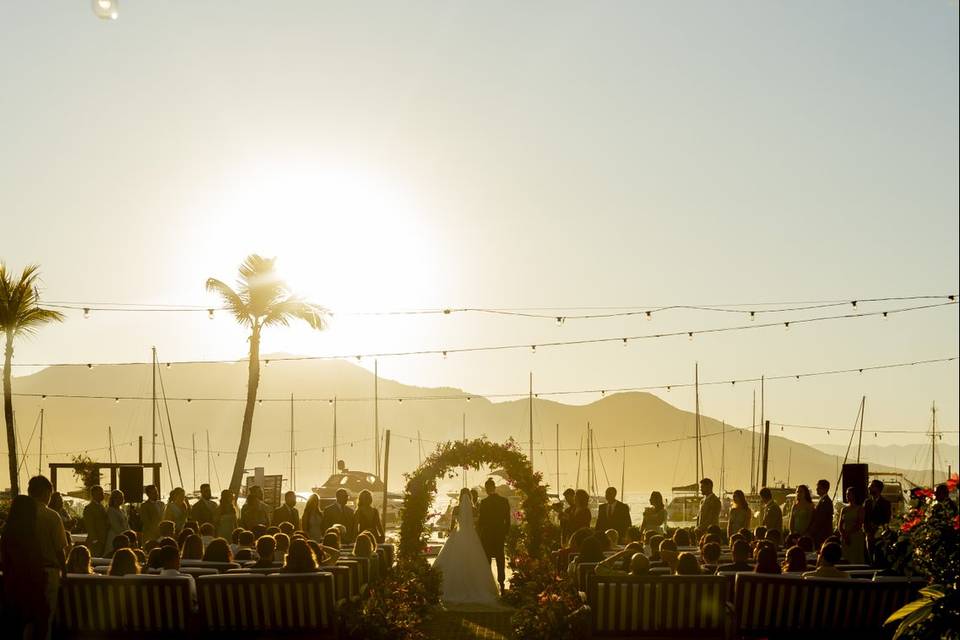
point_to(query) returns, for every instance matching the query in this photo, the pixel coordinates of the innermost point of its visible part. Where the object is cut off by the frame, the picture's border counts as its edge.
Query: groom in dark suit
(494, 524)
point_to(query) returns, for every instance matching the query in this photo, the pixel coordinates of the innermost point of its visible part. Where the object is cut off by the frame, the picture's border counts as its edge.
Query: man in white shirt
(170, 563)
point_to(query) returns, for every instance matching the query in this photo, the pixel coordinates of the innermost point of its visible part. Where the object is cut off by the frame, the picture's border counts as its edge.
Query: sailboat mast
(530, 399)
(753, 446)
(558, 459)
(933, 446)
(863, 410)
(376, 419)
(293, 468)
(334, 469)
(40, 455)
(696, 449)
(153, 437)
(723, 457)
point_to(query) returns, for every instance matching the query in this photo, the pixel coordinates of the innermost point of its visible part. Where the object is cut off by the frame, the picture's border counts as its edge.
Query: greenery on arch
(536, 531)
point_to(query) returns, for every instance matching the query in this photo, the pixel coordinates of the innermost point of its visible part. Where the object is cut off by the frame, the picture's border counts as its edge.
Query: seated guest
(133, 538)
(300, 558)
(123, 563)
(805, 543)
(795, 561)
(747, 535)
(619, 563)
(192, 548)
(633, 534)
(331, 539)
(217, 551)
(830, 554)
(766, 557)
(639, 565)
(170, 566)
(681, 537)
(235, 539)
(141, 556)
(613, 537)
(166, 529)
(590, 551)
(266, 552)
(668, 554)
(272, 531)
(326, 556)
(207, 533)
(576, 539)
(687, 565)
(153, 558)
(120, 542)
(79, 560)
(283, 544)
(167, 541)
(760, 533)
(773, 537)
(362, 546)
(711, 557)
(655, 548)
(715, 530)
(741, 558)
(287, 528)
(791, 540)
(245, 547)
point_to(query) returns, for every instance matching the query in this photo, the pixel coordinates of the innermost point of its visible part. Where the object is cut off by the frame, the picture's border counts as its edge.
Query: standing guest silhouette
(340, 513)
(772, 514)
(368, 518)
(709, 514)
(821, 526)
(580, 517)
(205, 509)
(494, 525)
(254, 510)
(613, 514)
(96, 523)
(287, 512)
(151, 513)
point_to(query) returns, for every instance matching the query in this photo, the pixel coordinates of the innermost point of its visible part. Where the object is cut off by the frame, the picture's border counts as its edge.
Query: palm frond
(260, 284)
(19, 302)
(281, 313)
(234, 301)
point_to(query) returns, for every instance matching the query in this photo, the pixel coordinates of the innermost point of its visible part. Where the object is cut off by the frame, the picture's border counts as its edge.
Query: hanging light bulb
(210, 313)
(560, 321)
(266, 363)
(786, 325)
(603, 392)
(86, 312)
(116, 401)
(468, 398)
(533, 348)
(330, 401)
(649, 315)
(43, 397)
(853, 303)
(400, 400)
(444, 354)
(668, 388)
(624, 342)
(753, 315)
(359, 358)
(189, 400)
(260, 402)
(89, 366)
(689, 335)
(106, 9)
(168, 365)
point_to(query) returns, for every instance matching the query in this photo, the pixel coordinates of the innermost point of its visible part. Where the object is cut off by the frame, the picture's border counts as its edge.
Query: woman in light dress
(739, 516)
(852, 536)
(226, 518)
(654, 516)
(311, 522)
(463, 564)
(117, 521)
(177, 508)
(801, 515)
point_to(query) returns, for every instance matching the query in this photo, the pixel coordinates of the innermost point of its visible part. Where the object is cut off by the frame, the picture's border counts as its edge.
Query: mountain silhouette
(81, 425)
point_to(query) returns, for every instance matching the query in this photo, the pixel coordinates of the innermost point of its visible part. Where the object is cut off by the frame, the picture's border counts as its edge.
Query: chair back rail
(112, 604)
(267, 603)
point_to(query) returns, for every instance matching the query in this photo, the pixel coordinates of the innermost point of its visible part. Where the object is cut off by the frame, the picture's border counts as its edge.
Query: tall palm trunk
(253, 382)
(8, 415)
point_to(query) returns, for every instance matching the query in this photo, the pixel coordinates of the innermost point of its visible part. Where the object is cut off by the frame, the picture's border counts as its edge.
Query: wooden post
(386, 469)
(766, 451)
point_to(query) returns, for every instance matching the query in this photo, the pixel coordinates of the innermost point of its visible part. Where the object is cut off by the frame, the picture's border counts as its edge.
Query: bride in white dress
(465, 568)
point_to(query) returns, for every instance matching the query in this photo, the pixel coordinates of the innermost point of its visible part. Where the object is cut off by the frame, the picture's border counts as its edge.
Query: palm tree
(20, 314)
(261, 300)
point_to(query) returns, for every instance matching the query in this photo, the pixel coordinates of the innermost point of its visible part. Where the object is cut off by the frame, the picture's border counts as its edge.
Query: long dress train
(464, 567)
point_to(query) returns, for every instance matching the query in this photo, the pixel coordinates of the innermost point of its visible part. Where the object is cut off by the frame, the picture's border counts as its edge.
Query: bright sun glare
(347, 240)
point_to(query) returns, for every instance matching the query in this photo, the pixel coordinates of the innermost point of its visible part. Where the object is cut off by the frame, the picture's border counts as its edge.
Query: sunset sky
(509, 155)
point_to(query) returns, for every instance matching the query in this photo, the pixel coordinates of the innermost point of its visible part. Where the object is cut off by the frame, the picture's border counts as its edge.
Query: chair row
(160, 605)
(753, 605)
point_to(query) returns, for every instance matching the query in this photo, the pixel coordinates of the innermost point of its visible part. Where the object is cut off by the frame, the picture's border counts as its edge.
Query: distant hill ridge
(75, 425)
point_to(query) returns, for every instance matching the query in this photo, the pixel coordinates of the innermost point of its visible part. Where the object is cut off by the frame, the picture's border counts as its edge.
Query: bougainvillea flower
(952, 482)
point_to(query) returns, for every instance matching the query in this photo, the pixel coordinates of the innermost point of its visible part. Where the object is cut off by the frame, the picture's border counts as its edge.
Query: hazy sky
(537, 154)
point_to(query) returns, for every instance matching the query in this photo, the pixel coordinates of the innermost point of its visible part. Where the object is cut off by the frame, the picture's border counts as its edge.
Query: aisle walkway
(456, 625)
